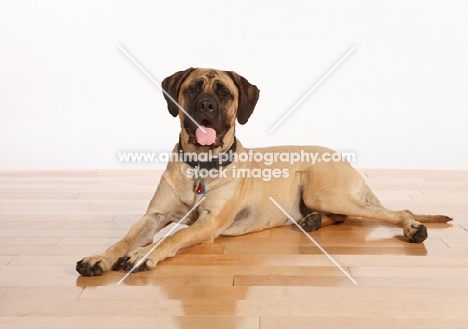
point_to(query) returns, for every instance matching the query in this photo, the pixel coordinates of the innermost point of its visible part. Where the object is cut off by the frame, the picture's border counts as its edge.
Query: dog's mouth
(205, 135)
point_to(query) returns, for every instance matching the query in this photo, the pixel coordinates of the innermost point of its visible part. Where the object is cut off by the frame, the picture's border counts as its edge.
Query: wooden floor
(272, 279)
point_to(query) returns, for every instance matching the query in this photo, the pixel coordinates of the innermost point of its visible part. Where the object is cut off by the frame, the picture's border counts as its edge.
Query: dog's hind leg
(336, 188)
(316, 220)
(414, 230)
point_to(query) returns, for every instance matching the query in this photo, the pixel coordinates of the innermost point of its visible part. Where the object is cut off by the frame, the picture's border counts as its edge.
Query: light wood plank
(231, 270)
(454, 273)
(292, 280)
(4, 207)
(58, 276)
(90, 225)
(105, 241)
(367, 250)
(300, 240)
(314, 307)
(250, 260)
(401, 261)
(48, 250)
(22, 293)
(30, 225)
(62, 233)
(138, 206)
(140, 322)
(137, 172)
(89, 197)
(20, 197)
(148, 279)
(410, 173)
(259, 293)
(48, 173)
(49, 260)
(49, 217)
(9, 241)
(302, 322)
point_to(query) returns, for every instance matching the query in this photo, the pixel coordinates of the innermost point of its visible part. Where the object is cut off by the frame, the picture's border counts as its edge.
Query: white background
(70, 99)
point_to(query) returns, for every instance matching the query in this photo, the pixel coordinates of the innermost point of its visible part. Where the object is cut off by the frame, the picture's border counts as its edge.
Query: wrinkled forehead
(210, 77)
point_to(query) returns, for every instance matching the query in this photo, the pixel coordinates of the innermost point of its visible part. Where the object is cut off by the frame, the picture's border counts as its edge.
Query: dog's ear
(248, 97)
(171, 85)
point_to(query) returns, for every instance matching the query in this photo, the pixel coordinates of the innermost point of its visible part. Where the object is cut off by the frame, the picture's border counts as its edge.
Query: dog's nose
(206, 105)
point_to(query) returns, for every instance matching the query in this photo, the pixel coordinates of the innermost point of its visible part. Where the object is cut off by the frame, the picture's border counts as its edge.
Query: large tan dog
(237, 191)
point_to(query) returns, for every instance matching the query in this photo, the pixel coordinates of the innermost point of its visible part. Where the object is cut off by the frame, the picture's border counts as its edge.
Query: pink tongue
(207, 138)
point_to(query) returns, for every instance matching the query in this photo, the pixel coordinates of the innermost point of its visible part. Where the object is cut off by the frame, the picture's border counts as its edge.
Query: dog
(237, 198)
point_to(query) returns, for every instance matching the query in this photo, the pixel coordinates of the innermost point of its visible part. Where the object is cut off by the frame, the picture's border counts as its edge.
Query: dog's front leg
(141, 233)
(208, 226)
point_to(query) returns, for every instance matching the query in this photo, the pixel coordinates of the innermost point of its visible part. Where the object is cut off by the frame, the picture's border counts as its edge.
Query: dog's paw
(138, 261)
(93, 266)
(416, 232)
(311, 222)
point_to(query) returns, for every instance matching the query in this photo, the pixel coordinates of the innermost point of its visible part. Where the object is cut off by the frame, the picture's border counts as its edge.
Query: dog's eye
(223, 93)
(193, 90)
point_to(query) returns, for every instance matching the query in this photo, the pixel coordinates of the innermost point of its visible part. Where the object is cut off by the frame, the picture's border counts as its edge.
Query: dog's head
(211, 100)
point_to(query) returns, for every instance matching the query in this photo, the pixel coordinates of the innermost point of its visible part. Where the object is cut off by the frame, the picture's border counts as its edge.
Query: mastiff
(236, 185)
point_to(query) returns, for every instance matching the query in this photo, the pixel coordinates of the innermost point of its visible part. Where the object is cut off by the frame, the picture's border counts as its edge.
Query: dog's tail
(431, 218)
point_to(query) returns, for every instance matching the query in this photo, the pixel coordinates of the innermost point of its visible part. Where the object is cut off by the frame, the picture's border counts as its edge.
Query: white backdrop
(70, 99)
